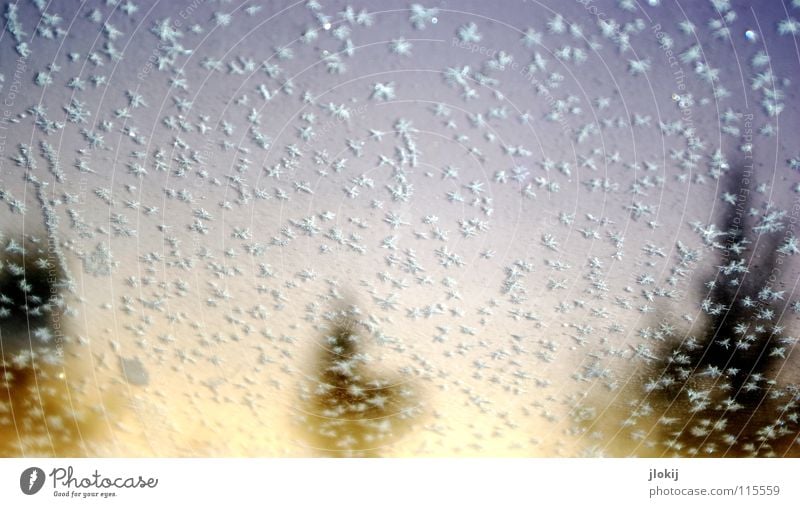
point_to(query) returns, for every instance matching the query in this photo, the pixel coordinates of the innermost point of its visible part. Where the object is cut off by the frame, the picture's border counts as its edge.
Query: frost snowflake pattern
(362, 229)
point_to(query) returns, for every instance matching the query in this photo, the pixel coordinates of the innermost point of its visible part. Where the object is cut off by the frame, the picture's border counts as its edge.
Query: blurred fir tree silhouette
(40, 414)
(353, 411)
(712, 390)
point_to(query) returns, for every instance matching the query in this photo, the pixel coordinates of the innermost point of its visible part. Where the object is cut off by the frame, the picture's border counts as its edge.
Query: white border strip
(408, 482)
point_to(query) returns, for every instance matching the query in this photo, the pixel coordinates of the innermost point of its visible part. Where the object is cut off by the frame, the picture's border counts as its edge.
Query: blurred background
(460, 228)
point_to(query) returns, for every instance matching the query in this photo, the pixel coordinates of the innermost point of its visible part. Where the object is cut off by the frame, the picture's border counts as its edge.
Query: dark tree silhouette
(37, 416)
(353, 411)
(712, 390)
